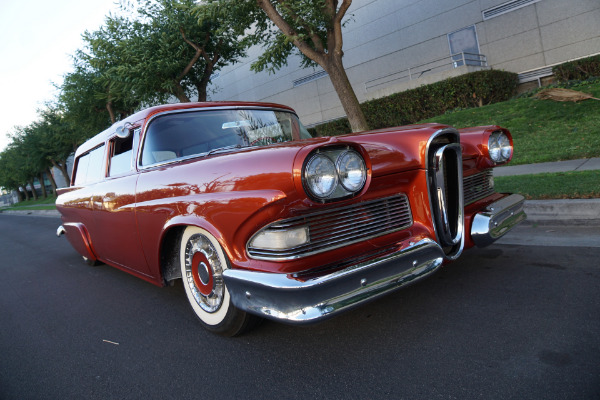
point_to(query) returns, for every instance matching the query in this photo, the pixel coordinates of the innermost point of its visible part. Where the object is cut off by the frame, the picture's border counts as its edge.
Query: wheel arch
(170, 242)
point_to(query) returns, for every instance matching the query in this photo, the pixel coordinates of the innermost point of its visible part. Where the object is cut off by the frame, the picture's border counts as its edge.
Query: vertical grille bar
(445, 179)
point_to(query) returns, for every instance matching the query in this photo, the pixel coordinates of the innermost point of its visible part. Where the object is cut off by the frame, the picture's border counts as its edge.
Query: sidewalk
(586, 164)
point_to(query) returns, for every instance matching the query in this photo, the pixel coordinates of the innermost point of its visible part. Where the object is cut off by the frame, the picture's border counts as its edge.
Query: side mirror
(123, 132)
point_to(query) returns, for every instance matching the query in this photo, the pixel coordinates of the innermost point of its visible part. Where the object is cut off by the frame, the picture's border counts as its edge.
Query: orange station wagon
(259, 219)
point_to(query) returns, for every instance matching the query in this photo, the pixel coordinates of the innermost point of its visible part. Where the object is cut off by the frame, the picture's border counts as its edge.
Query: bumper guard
(497, 219)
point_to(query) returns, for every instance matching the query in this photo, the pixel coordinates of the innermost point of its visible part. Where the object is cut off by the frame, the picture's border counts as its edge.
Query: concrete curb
(35, 213)
(564, 212)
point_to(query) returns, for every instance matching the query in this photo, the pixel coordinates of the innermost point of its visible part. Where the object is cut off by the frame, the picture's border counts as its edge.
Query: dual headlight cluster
(499, 147)
(334, 173)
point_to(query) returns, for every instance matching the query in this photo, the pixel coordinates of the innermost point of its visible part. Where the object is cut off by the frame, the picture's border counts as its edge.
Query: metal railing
(442, 64)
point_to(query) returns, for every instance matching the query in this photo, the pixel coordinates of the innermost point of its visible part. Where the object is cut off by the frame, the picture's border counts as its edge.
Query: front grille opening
(337, 227)
(445, 178)
(478, 186)
(451, 183)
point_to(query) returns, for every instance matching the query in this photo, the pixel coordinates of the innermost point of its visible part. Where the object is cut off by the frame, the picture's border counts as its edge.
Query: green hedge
(580, 70)
(466, 91)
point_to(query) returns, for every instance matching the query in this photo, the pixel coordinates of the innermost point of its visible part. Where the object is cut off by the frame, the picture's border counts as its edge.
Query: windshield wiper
(225, 148)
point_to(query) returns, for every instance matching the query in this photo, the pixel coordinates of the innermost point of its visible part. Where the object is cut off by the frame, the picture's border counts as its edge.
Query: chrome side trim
(286, 298)
(497, 219)
(60, 231)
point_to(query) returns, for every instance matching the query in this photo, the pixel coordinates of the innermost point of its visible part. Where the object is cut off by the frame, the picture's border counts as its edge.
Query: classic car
(260, 219)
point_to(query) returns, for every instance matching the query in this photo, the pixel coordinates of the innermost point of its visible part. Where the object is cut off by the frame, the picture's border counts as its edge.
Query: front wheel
(202, 262)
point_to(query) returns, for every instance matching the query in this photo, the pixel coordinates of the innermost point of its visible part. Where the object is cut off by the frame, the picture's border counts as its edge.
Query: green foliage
(163, 51)
(581, 69)
(561, 185)
(542, 130)
(466, 91)
(310, 25)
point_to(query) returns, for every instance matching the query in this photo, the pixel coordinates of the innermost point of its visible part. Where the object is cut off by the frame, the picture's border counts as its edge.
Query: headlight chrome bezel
(500, 148)
(344, 187)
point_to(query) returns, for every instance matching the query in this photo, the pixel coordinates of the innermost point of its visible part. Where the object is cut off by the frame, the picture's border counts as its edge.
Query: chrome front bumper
(283, 297)
(497, 219)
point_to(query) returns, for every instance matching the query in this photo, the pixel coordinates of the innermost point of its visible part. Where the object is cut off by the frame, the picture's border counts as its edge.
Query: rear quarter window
(90, 167)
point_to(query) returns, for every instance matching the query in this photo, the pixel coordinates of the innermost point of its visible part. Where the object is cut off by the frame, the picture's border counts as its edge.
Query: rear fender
(79, 238)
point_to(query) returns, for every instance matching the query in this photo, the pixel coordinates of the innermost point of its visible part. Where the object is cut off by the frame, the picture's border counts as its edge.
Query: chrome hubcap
(204, 273)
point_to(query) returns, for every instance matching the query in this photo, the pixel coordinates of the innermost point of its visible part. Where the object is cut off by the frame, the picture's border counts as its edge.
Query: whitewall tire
(202, 262)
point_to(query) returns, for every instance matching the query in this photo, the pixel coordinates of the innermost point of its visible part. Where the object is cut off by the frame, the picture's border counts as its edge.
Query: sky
(38, 39)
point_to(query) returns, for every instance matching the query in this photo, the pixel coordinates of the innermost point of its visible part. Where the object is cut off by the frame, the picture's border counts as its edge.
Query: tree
(161, 53)
(59, 138)
(311, 27)
(93, 87)
(11, 176)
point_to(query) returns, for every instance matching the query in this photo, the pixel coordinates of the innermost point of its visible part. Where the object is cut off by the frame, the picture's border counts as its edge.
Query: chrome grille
(342, 226)
(478, 186)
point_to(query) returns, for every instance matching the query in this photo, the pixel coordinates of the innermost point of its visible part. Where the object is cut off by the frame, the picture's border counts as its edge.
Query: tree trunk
(62, 167)
(111, 112)
(42, 185)
(343, 88)
(33, 193)
(202, 85)
(25, 192)
(52, 181)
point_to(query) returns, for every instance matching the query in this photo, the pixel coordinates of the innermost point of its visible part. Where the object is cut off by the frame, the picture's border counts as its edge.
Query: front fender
(225, 215)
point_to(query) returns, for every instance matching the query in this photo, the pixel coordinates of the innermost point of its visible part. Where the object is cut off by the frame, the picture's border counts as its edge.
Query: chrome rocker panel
(497, 219)
(281, 297)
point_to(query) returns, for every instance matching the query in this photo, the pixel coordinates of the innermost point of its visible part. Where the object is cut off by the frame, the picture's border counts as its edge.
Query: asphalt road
(510, 321)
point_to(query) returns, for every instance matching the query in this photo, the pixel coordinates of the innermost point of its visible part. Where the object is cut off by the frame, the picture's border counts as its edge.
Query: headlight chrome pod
(334, 173)
(499, 147)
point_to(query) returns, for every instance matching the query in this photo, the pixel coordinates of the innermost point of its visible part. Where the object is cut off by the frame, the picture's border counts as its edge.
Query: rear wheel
(202, 262)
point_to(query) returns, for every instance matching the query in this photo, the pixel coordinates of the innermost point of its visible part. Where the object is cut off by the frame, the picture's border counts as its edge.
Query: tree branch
(337, 26)
(300, 21)
(288, 31)
(194, 60)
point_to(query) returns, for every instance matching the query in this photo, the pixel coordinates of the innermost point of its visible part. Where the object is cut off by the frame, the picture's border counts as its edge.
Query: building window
(464, 47)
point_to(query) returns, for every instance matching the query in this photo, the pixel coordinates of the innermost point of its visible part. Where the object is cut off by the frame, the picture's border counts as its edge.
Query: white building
(393, 45)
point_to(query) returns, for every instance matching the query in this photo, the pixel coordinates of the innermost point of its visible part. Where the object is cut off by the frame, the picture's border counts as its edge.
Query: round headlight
(351, 170)
(499, 147)
(321, 177)
(505, 147)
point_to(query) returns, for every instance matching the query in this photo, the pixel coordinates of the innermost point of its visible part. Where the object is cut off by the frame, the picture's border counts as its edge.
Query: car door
(115, 216)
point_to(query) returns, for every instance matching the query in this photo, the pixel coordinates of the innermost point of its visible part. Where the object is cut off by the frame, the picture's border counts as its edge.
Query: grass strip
(542, 130)
(559, 185)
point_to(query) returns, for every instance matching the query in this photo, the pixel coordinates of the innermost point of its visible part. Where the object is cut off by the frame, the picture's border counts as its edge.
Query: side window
(90, 166)
(120, 157)
(82, 167)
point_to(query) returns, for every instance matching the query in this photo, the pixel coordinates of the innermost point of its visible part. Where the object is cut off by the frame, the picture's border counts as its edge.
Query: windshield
(186, 134)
